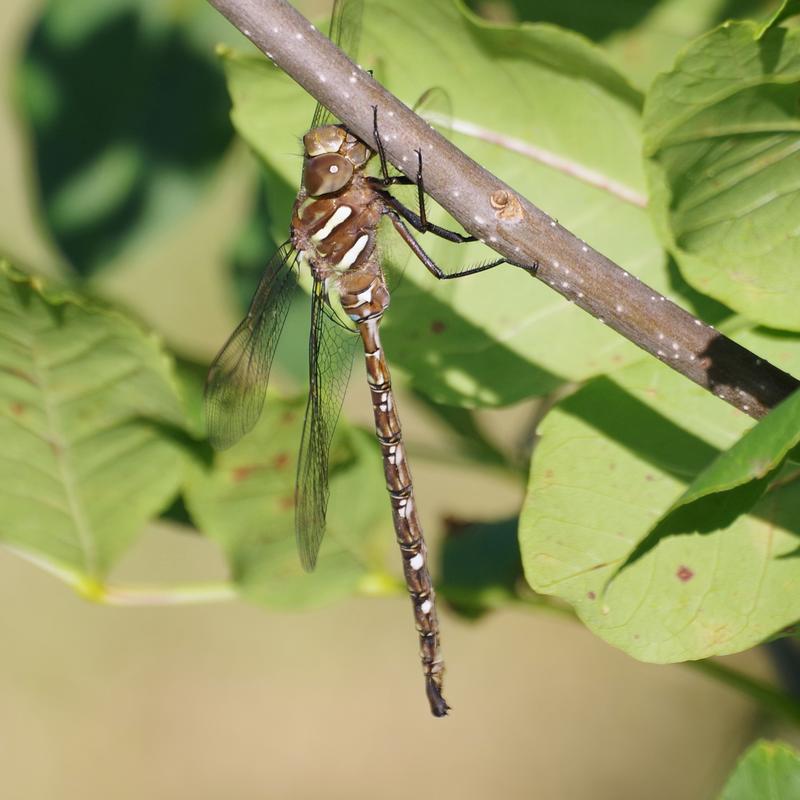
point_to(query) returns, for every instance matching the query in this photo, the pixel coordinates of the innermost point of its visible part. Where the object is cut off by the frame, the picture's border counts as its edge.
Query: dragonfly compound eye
(326, 174)
(357, 152)
(327, 139)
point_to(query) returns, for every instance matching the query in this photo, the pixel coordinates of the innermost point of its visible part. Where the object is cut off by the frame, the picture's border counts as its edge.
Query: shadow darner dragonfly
(333, 229)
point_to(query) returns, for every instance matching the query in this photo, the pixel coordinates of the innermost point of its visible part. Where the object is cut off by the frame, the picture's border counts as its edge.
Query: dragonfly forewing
(345, 33)
(237, 379)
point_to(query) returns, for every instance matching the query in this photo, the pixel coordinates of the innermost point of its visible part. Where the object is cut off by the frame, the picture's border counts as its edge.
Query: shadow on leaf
(127, 120)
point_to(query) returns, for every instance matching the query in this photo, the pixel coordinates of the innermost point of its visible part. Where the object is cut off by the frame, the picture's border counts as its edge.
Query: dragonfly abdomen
(408, 528)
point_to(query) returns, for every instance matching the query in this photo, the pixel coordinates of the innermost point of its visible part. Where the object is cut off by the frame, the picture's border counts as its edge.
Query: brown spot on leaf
(286, 502)
(243, 473)
(649, 477)
(684, 573)
(281, 460)
(591, 595)
(287, 418)
(549, 474)
(17, 409)
(437, 326)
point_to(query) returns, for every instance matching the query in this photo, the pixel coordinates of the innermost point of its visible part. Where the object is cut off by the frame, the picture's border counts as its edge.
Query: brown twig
(506, 221)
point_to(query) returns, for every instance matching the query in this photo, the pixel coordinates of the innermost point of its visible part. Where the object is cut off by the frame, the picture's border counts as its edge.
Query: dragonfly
(333, 231)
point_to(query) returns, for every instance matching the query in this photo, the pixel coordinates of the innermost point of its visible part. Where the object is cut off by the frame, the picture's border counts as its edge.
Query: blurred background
(230, 700)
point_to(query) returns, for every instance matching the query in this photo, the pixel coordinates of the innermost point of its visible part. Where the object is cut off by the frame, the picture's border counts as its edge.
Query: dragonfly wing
(331, 348)
(345, 33)
(435, 106)
(238, 376)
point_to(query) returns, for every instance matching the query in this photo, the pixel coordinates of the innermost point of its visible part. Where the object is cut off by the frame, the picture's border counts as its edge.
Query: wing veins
(345, 33)
(331, 347)
(237, 379)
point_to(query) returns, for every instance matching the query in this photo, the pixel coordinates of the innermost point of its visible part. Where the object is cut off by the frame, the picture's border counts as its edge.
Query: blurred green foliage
(481, 568)
(128, 119)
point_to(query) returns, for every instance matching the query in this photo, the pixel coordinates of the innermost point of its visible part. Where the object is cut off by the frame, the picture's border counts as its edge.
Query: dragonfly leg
(386, 179)
(423, 215)
(420, 222)
(434, 268)
(425, 227)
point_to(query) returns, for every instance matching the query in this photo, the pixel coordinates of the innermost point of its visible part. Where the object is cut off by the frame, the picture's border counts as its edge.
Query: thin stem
(767, 696)
(178, 595)
(110, 594)
(494, 212)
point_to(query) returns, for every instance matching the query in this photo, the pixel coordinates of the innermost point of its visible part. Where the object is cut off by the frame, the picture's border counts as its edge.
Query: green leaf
(503, 335)
(245, 502)
(733, 482)
(664, 29)
(722, 138)
(641, 36)
(789, 8)
(128, 117)
(767, 771)
(89, 420)
(612, 460)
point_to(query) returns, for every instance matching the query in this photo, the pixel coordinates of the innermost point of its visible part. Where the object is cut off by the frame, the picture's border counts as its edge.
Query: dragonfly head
(332, 155)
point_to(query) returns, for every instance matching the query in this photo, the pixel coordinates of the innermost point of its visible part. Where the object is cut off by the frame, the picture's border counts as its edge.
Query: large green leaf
(88, 419)
(641, 36)
(733, 482)
(245, 502)
(767, 771)
(613, 459)
(502, 335)
(128, 116)
(722, 135)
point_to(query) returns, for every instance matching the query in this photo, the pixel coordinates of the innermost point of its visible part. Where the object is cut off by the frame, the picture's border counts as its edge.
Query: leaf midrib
(61, 454)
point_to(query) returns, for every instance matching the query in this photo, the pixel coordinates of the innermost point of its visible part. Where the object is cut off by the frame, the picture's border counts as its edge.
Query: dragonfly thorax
(332, 156)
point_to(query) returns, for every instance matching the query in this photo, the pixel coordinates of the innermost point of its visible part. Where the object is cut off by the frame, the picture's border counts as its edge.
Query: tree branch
(506, 221)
